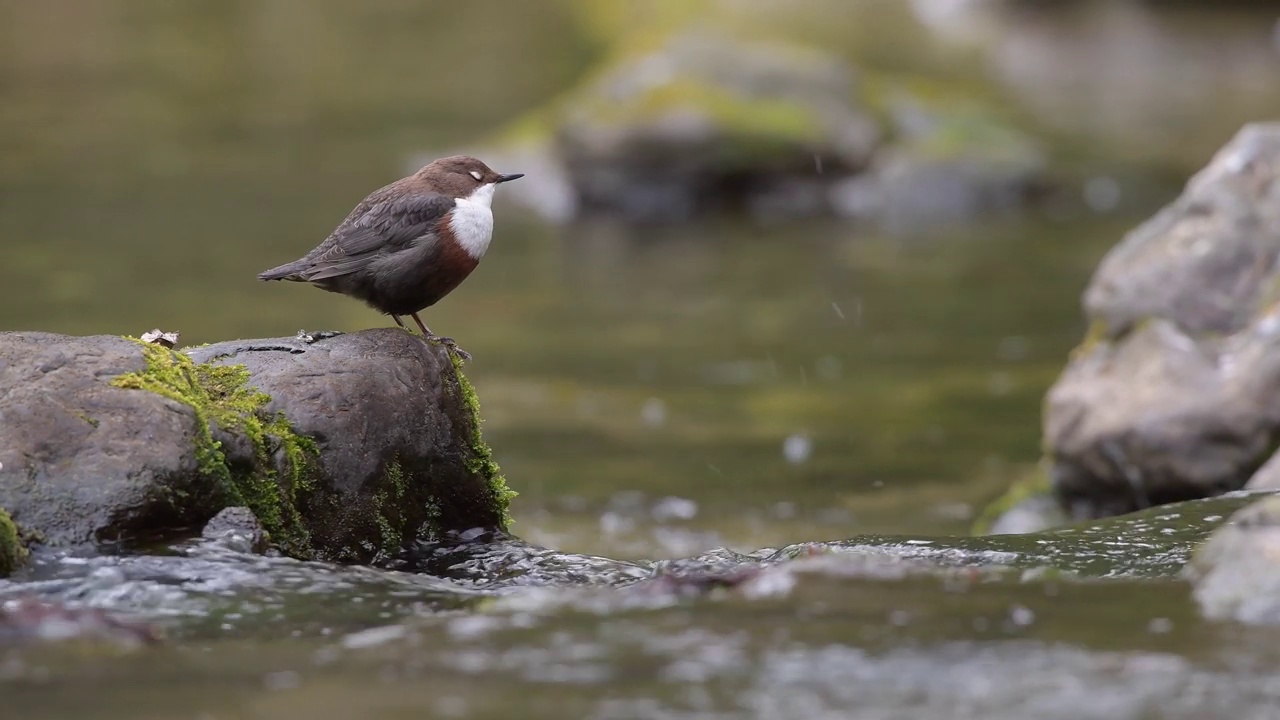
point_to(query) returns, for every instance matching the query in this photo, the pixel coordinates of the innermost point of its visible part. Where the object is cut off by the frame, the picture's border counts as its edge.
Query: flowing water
(654, 394)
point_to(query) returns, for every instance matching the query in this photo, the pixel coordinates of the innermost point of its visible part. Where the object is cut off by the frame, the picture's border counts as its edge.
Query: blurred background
(779, 271)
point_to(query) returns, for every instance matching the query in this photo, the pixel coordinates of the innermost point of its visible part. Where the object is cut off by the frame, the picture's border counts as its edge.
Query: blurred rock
(1211, 65)
(1036, 513)
(945, 162)
(1175, 392)
(29, 619)
(1028, 506)
(361, 443)
(1237, 570)
(1268, 476)
(704, 123)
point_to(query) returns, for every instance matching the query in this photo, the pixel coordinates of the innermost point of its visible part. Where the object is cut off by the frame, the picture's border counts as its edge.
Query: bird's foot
(312, 337)
(449, 343)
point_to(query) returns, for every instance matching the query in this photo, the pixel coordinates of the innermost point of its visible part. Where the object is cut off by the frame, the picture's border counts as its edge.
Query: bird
(408, 244)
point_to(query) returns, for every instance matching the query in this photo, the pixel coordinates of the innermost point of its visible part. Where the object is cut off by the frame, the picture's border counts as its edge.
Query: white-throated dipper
(407, 245)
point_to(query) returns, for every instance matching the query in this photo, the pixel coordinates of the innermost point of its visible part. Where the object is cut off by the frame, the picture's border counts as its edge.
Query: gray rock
(1031, 515)
(397, 437)
(79, 464)
(1268, 476)
(379, 444)
(1175, 394)
(238, 529)
(1237, 570)
(944, 164)
(705, 121)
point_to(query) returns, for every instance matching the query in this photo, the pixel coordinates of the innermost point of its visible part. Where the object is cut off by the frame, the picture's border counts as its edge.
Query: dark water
(652, 393)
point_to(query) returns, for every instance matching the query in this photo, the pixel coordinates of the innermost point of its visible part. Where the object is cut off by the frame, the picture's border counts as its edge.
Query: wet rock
(30, 619)
(944, 162)
(1029, 515)
(1237, 571)
(1175, 392)
(1028, 506)
(345, 448)
(705, 121)
(237, 528)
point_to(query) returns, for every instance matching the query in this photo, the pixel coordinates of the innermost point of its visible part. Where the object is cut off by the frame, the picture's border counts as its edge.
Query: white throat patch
(472, 220)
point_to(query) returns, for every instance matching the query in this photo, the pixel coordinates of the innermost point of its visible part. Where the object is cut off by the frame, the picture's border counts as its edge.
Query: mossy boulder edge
(345, 448)
(12, 551)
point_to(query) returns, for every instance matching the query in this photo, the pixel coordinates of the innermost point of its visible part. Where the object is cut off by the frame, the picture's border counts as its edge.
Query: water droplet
(1021, 616)
(654, 412)
(283, 680)
(674, 508)
(797, 448)
(1102, 193)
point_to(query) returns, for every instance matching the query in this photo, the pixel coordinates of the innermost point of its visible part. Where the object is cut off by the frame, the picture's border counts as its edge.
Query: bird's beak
(509, 178)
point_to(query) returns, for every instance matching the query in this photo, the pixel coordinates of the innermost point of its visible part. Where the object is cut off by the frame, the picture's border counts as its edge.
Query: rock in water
(346, 448)
(705, 121)
(1175, 393)
(1237, 570)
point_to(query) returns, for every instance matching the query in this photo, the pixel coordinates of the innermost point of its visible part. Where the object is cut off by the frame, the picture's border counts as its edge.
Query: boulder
(946, 158)
(1175, 392)
(345, 448)
(1237, 570)
(703, 121)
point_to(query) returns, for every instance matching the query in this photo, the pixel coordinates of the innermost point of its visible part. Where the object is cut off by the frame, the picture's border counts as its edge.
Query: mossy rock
(701, 118)
(1027, 506)
(347, 449)
(229, 414)
(396, 430)
(12, 551)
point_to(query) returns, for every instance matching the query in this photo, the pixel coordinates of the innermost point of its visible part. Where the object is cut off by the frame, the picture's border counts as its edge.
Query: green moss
(221, 397)
(12, 552)
(1097, 334)
(390, 535)
(756, 124)
(481, 462)
(1035, 484)
(431, 526)
(387, 503)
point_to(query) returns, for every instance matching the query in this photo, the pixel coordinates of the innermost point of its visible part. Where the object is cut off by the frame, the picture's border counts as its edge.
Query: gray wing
(385, 227)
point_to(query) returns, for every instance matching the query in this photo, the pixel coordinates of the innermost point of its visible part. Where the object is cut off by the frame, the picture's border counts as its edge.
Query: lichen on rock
(223, 400)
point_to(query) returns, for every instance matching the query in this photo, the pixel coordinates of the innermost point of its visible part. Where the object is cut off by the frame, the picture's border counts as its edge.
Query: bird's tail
(288, 271)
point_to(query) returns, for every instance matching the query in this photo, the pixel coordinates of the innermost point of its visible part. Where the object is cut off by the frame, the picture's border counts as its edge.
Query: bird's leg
(400, 323)
(446, 341)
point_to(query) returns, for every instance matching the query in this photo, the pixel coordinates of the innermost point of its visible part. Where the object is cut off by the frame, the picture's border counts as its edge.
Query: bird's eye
(476, 174)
